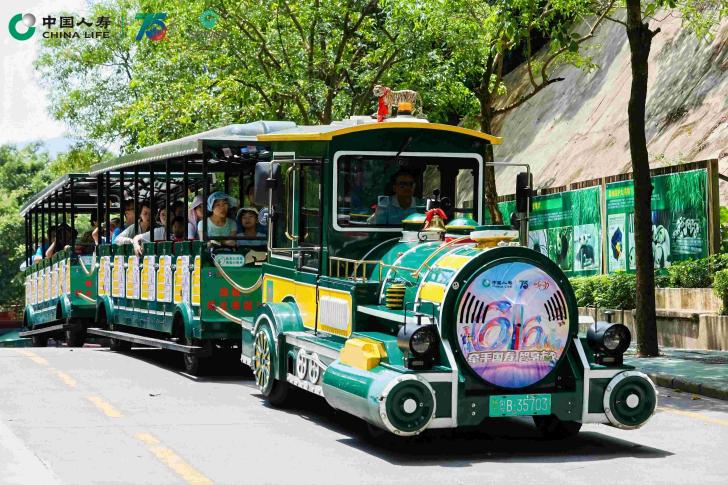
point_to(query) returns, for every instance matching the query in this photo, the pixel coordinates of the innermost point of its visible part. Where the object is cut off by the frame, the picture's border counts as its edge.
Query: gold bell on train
(435, 224)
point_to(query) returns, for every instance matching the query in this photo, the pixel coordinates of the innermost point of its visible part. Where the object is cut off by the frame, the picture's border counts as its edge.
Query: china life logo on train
(22, 27)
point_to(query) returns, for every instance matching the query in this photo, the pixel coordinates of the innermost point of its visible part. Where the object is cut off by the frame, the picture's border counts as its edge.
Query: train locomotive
(437, 321)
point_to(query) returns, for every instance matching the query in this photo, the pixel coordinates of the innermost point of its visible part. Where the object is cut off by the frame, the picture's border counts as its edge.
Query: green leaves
(21, 175)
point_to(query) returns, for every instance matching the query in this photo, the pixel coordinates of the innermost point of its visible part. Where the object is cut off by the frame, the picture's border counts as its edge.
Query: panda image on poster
(587, 251)
(538, 242)
(561, 247)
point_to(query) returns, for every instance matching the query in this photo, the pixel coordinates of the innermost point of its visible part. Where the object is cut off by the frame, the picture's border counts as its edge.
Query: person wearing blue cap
(218, 222)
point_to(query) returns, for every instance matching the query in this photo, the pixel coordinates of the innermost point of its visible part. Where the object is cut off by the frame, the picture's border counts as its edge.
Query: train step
(50, 329)
(149, 341)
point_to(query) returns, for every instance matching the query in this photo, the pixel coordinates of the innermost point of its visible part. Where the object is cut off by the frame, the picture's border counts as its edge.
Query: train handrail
(93, 266)
(232, 282)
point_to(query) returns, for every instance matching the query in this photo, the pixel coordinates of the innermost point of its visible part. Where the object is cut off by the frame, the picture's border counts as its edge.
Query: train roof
(85, 191)
(227, 136)
(362, 124)
(84, 188)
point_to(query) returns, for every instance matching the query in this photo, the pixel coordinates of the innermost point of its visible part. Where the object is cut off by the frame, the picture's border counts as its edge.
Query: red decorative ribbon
(383, 110)
(432, 212)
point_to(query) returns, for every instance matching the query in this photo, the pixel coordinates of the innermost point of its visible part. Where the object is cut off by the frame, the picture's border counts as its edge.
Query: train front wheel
(551, 427)
(264, 368)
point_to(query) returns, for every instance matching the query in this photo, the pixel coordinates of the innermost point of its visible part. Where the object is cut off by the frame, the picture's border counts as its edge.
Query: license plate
(520, 405)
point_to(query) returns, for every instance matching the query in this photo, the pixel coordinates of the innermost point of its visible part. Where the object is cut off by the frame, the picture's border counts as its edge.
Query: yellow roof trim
(328, 135)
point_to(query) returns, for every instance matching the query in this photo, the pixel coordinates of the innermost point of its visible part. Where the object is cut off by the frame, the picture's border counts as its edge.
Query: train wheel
(117, 345)
(192, 362)
(552, 427)
(75, 338)
(39, 340)
(264, 362)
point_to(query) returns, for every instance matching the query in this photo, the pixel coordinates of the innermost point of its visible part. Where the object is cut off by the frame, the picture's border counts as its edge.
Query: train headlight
(608, 341)
(419, 343)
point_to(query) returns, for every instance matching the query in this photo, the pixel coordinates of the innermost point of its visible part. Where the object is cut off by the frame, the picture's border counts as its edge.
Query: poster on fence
(679, 220)
(566, 227)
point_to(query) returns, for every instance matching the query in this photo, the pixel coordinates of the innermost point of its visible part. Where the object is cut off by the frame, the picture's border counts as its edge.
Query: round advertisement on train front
(512, 324)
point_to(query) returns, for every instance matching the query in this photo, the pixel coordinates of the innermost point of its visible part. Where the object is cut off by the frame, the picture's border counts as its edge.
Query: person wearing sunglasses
(392, 209)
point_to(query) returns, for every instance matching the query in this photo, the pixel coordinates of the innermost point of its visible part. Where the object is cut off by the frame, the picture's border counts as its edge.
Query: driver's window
(382, 191)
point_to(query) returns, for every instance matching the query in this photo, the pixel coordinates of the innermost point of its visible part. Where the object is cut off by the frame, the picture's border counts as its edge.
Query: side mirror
(267, 176)
(524, 192)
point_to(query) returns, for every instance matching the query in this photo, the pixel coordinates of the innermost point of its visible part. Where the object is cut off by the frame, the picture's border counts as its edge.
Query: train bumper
(630, 399)
(403, 404)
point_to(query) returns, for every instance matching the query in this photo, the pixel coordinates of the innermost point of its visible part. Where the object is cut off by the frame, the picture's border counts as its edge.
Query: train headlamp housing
(609, 341)
(419, 344)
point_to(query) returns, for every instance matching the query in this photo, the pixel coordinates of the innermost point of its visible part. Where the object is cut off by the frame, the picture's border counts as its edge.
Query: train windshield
(378, 192)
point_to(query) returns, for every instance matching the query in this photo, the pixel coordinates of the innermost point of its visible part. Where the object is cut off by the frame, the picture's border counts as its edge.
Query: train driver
(392, 209)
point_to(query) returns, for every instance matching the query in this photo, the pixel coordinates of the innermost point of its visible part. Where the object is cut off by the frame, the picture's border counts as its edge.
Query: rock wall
(576, 129)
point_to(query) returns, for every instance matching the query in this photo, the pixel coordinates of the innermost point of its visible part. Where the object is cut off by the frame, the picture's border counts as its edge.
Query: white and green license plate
(519, 405)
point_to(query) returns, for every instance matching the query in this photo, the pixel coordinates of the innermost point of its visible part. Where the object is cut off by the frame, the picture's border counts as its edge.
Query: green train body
(60, 292)
(400, 324)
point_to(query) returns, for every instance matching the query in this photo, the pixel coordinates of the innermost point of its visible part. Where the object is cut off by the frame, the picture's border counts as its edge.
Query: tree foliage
(22, 173)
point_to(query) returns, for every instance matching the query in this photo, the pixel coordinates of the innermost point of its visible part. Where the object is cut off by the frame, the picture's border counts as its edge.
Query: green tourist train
(349, 260)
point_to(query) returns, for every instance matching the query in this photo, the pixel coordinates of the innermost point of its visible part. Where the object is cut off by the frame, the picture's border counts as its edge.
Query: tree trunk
(640, 40)
(491, 193)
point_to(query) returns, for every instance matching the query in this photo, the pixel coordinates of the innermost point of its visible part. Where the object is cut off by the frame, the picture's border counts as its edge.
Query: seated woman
(194, 216)
(127, 235)
(248, 221)
(64, 236)
(218, 222)
(159, 232)
(45, 243)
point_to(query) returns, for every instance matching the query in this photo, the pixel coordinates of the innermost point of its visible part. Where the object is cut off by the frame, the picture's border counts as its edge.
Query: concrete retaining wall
(685, 329)
(702, 299)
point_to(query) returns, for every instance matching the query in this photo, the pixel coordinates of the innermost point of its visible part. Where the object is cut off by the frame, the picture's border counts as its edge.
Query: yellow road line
(104, 406)
(690, 414)
(65, 378)
(175, 462)
(34, 357)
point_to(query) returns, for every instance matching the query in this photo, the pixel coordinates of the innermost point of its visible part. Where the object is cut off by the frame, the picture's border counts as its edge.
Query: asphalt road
(93, 416)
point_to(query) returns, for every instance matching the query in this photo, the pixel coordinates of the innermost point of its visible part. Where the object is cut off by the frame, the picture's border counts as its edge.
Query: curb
(686, 385)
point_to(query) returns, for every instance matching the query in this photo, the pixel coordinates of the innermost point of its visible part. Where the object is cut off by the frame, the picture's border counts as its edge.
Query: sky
(24, 113)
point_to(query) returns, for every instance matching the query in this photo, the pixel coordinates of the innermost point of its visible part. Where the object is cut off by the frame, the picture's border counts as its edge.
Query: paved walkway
(698, 371)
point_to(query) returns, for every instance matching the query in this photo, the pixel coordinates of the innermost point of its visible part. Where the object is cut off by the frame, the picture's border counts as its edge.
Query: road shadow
(222, 367)
(497, 440)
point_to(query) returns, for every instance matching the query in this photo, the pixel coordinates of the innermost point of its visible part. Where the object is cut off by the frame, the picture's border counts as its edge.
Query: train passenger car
(60, 290)
(181, 294)
(417, 325)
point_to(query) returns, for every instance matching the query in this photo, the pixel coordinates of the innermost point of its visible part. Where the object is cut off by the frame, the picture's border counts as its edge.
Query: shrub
(720, 288)
(691, 274)
(583, 291)
(662, 280)
(617, 291)
(606, 291)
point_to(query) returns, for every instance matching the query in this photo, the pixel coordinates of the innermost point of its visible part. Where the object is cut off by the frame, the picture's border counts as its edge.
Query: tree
(479, 38)
(78, 159)
(21, 174)
(700, 16)
(309, 61)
